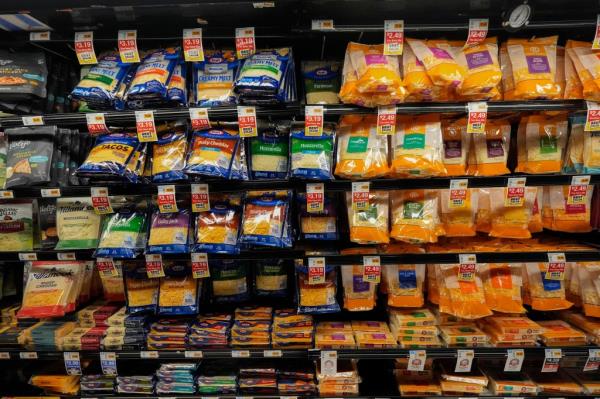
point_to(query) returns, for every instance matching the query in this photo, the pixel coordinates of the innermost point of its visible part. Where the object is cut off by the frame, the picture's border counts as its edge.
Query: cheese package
(334, 326)
(318, 225)
(502, 286)
(507, 383)
(271, 279)
(109, 156)
(16, 225)
(573, 84)
(589, 277)
(508, 81)
(141, 291)
(152, 74)
(312, 156)
(536, 224)
(488, 153)
(541, 142)
(533, 65)
(412, 317)
(229, 281)
(463, 335)
(458, 212)
(317, 298)
(587, 380)
(456, 143)
(481, 66)
(321, 81)
(562, 216)
(369, 226)
(437, 58)
(510, 221)
(466, 299)
(585, 62)
(213, 78)
(77, 223)
(560, 71)
(212, 153)
(169, 232)
(269, 155)
(418, 83)
(168, 158)
(217, 230)
(404, 285)
(359, 295)
(377, 339)
(51, 289)
(546, 294)
(573, 159)
(179, 292)
(415, 217)
(433, 292)
(31, 156)
(560, 333)
(123, 235)
(335, 340)
(361, 152)
(590, 325)
(555, 383)
(266, 220)
(177, 94)
(112, 286)
(417, 147)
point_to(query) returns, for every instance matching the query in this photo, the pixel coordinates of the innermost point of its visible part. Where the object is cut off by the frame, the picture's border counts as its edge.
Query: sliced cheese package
(217, 230)
(168, 158)
(320, 225)
(458, 212)
(271, 279)
(141, 291)
(488, 154)
(369, 226)
(417, 147)
(317, 298)
(268, 156)
(404, 285)
(266, 220)
(415, 217)
(438, 59)
(312, 156)
(466, 298)
(545, 294)
(562, 216)
(510, 221)
(481, 66)
(456, 144)
(502, 284)
(16, 225)
(229, 281)
(124, 235)
(212, 153)
(541, 144)
(169, 232)
(359, 295)
(179, 292)
(213, 78)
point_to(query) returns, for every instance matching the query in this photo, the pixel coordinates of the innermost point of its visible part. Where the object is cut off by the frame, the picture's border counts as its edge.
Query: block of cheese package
(373, 334)
(168, 334)
(414, 328)
(334, 335)
(292, 330)
(590, 325)
(588, 381)
(252, 327)
(506, 331)
(344, 382)
(507, 383)
(559, 383)
(210, 330)
(453, 383)
(467, 335)
(560, 333)
(61, 384)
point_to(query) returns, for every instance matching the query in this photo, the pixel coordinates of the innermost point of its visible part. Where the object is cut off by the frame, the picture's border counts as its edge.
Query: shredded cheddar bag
(456, 143)
(466, 297)
(217, 230)
(415, 216)
(404, 285)
(545, 294)
(508, 81)
(483, 221)
(591, 152)
(369, 226)
(361, 153)
(502, 286)
(573, 85)
(482, 70)
(458, 214)
(560, 71)
(536, 224)
(436, 56)
(589, 276)
(569, 218)
(376, 72)
(489, 151)
(573, 159)
(433, 291)
(417, 82)
(541, 144)
(417, 147)
(587, 66)
(510, 221)
(533, 65)
(359, 295)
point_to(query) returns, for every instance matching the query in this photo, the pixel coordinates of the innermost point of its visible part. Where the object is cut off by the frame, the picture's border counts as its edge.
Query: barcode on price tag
(200, 198)
(166, 199)
(556, 266)
(72, 363)
(313, 120)
(514, 359)
(477, 116)
(467, 267)
(84, 48)
(457, 196)
(144, 124)
(316, 271)
(393, 43)
(101, 201)
(416, 360)
(7, 194)
(592, 120)
(39, 36)
(322, 24)
(386, 120)
(478, 29)
(245, 43)
(108, 362)
(149, 354)
(315, 197)
(247, 121)
(329, 363)
(36, 120)
(192, 45)
(106, 267)
(596, 42)
(371, 269)
(194, 354)
(551, 360)
(154, 266)
(360, 196)
(199, 118)
(96, 123)
(200, 265)
(127, 42)
(515, 192)
(65, 256)
(464, 360)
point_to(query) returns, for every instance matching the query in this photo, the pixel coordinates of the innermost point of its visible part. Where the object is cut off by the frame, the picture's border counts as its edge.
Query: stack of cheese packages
(589, 325)
(414, 328)
(416, 383)
(504, 383)
(168, 334)
(334, 335)
(452, 383)
(509, 331)
(125, 332)
(457, 332)
(91, 328)
(252, 327)
(56, 384)
(560, 333)
(373, 334)
(344, 382)
(210, 331)
(292, 330)
(46, 335)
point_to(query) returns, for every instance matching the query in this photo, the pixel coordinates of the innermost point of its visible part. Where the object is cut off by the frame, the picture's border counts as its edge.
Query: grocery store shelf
(293, 110)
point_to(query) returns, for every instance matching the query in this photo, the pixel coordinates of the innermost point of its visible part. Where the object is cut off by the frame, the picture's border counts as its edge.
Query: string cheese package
(404, 285)
(213, 78)
(321, 81)
(467, 299)
(415, 216)
(417, 147)
(169, 232)
(271, 279)
(438, 60)
(229, 281)
(541, 142)
(417, 82)
(267, 220)
(152, 74)
(16, 225)
(168, 158)
(458, 214)
(269, 155)
(573, 159)
(77, 223)
(587, 69)
(359, 295)
(123, 235)
(109, 156)
(502, 286)
(179, 292)
(570, 218)
(533, 65)
(369, 226)
(510, 221)
(141, 291)
(481, 66)
(217, 230)
(212, 153)
(312, 156)
(489, 152)
(545, 294)
(456, 143)
(320, 225)
(589, 277)
(361, 153)
(317, 298)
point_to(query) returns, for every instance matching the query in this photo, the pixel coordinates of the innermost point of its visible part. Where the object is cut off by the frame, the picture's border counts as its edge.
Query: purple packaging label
(452, 148)
(337, 325)
(537, 64)
(440, 53)
(372, 324)
(338, 337)
(478, 59)
(176, 219)
(358, 285)
(375, 59)
(494, 148)
(418, 62)
(378, 336)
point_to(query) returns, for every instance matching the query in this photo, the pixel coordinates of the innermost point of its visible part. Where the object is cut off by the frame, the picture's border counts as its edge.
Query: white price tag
(39, 36)
(478, 29)
(551, 360)
(199, 118)
(36, 120)
(4, 355)
(154, 266)
(386, 119)
(7, 194)
(192, 45)
(272, 353)
(514, 359)
(72, 363)
(106, 267)
(108, 362)
(50, 192)
(194, 354)
(393, 40)
(457, 198)
(247, 121)
(166, 199)
(322, 24)
(316, 271)
(315, 197)
(100, 200)
(144, 124)
(200, 267)
(263, 4)
(477, 116)
(27, 256)
(514, 193)
(328, 363)
(28, 355)
(238, 354)
(127, 43)
(371, 269)
(200, 198)
(360, 196)
(596, 42)
(416, 360)
(556, 266)
(84, 48)
(149, 354)
(96, 123)
(245, 42)
(313, 120)
(592, 119)
(593, 361)
(467, 267)
(464, 360)
(65, 256)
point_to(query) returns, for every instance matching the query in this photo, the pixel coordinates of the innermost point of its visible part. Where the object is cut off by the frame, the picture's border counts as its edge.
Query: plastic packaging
(482, 70)
(510, 221)
(458, 214)
(541, 144)
(109, 156)
(359, 295)
(77, 223)
(466, 298)
(123, 235)
(317, 298)
(369, 226)
(571, 218)
(217, 230)
(545, 294)
(589, 276)
(229, 281)
(267, 220)
(30, 156)
(141, 291)
(212, 153)
(213, 78)
(415, 216)
(271, 279)
(152, 74)
(312, 156)
(321, 81)
(169, 232)
(456, 144)
(502, 284)
(438, 59)
(168, 158)
(179, 292)
(269, 153)
(318, 225)
(489, 152)
(404, 285)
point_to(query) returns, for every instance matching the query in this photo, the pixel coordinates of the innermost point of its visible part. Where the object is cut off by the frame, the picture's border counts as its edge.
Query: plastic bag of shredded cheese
(466, 298)
(573, 85)
(269, 155)
(136, 167)
(570, 218)
(534, 67)
(415, 216)
(589, 275)
(458, 213)
(456, 146)
(16, 225)
(123, 235)
(482, 219)
(489, 152)
(141, 291)
(369, 226)
(317, 298)
(502, 285)
(229, 281)
(417, 82)
(112, 286)
(541, 143)
(271, 279)
(482, 70)
(213, 78)
(152, 75)
(560, 71)
(263, 74)
(168, 158)
(438, 60)
(573, 159)
(321, 81)
(217, 230)
(404, 285)
(508, 81)
(169, 232)
(361, 153)
(417, 147)
(546, 294)
(109, 156)
(510, 221)
(318, 225)
(77, 223)
(359, 295)
(267, 220)
(177, 87)
(535, 223)
(591, 152)
(587, 67)
(179, 292)
(312, 156)
(212, 153)
(376, 72)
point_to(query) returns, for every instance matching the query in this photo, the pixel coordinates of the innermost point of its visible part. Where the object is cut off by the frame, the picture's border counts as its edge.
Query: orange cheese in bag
(483, 222)
(508, 81)
(375, 71)
(535, 223)
(541, 144)
(533, 65)
(570, 218)
(433, 292)
(510, 221)
(545, 294)
(417, 147)
(573, 85)
(466, 297)
(456, 146)
(458, 214)
(439, 62)
(369, 226)
(415, 216)
(489, 152)
(404, 285)
(418, 83)
(560, 71)
(502, 285)
(482, 70)
(587, 65)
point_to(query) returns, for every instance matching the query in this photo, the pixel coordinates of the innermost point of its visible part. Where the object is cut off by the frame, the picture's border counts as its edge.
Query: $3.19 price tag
(199, 118)
(393, 40)
(154, 266)
(478, 29)
(371, 269)
(467, 267)
(101, 201)
(200, 198)
(146, 129)
(515, 192)
(166, 199)
(106, 267)
(96, 123)
(316, 271)
(247, 121)
(313, 120)
(315, 193)
(386, 120)
(200, 265)
(192, 45)
(245, 43)
(127, 42)
(360, 196)
(84, 48)
(477, 116)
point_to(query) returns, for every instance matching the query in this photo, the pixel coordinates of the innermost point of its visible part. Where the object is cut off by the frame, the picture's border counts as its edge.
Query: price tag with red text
(371, 269)
(478, 29)
(96, 123)
(556, 266)
(100, 200)
(166, 199)
(551, 360)
(467, 267)
(245, 43)
(247, 121)
(515, 192)
(386, 120)
(316, 271)
(127, 42)
(313, 120)
(199, 118)
(596, 42)
(360, 196)
(578, 192)
(393, 41)
(457, 197)
(477, 116)
(200, 198)
(84, 48)
(200, 265)
(154, 266)
(315, 197)
(192, 45)
(146, 129)
(593, 361)
(106, 267)
(592, 120)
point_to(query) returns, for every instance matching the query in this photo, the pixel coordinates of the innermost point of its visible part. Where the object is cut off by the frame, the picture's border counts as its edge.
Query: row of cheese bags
(584, 287)
(582, 71)
(583, 148)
